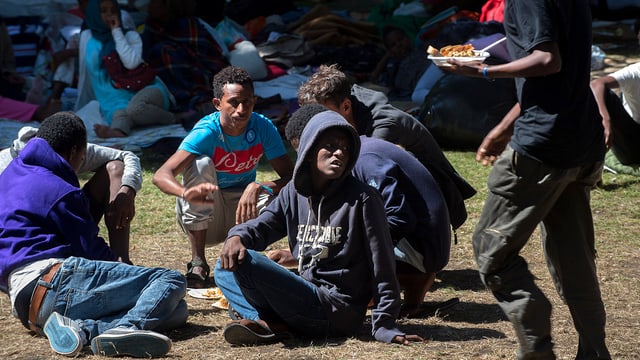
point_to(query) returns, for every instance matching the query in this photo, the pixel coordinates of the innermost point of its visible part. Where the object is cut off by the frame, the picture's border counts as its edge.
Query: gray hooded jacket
(341, 239)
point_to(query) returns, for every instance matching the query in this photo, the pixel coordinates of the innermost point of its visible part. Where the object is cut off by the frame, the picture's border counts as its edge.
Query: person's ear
(346, 107)
(216, 103)
(346, 110)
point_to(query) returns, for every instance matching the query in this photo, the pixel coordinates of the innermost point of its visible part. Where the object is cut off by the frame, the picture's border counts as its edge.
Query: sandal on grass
(248, 332)
(197, 281)
(426, 310)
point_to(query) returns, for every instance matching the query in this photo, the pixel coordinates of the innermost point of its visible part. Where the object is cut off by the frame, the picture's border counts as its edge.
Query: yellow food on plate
(213, 293)
(453, 51)
(221, 304)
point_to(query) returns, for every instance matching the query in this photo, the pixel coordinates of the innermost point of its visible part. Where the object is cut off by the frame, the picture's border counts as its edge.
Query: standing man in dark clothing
(548, 153)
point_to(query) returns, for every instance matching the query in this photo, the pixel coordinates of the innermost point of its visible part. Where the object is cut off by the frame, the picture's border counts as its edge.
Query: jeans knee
(176, 279)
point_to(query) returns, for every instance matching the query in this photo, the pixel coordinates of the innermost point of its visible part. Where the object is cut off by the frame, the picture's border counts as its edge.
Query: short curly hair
(230, 75)
(63, 130)
(328, 84)
(299, 119)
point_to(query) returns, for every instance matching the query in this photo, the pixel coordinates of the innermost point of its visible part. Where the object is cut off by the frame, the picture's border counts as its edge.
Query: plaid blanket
(185, 56)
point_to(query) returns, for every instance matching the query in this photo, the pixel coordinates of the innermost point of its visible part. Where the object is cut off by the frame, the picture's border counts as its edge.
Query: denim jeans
(102, 295)
(262, 289)
(522, 194)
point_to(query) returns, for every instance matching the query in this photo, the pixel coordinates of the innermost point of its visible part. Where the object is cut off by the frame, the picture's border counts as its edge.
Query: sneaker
(65, 335)
(246, 332)
(123, 341)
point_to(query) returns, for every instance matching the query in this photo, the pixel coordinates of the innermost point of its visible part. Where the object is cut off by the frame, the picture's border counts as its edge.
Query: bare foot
(104, 131)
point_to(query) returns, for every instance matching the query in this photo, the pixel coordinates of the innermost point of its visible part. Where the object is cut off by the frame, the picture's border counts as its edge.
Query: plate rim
(195, 293)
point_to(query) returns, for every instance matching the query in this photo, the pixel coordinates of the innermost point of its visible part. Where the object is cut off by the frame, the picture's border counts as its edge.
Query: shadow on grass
(191, 331)
(475, 313)
(463, 279)
(444, 333)
(612, 186)
(428, 332)
(440, 333)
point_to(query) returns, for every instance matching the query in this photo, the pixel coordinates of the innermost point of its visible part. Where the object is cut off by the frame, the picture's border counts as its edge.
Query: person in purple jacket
(62, 278)
(337, 229)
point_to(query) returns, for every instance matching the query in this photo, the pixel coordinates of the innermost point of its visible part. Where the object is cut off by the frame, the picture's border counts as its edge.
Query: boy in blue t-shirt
(218, 160)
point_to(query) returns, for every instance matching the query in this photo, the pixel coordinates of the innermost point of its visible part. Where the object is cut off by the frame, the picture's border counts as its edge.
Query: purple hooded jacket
(44, 213)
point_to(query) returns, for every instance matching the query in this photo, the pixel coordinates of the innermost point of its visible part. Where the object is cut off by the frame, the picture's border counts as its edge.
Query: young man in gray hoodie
(337, 229)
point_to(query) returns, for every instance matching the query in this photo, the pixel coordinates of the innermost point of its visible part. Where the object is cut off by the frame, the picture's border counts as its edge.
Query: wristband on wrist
(265, 188)
(484, 73)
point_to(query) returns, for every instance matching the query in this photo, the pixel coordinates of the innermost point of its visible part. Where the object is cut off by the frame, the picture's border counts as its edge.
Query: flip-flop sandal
(430, 309)
(248, 332)
(233, 314)
(197, 281)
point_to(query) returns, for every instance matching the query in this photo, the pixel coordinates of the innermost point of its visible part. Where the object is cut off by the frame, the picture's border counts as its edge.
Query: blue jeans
(262, 289)
(522, 194)
(102, 295)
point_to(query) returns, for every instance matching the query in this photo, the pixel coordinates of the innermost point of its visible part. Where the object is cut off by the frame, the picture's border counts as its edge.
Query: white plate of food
(209, 294)
(463, 53)
(442, 60)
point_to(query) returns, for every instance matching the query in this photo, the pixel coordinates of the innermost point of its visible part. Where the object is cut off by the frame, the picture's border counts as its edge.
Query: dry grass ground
(474, 329)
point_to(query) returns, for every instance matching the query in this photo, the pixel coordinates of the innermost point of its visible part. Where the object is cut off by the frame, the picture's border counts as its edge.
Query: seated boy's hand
(248, 203)
(232, 253)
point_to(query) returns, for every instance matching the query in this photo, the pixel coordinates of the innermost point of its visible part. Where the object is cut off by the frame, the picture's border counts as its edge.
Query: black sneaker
(123, 341)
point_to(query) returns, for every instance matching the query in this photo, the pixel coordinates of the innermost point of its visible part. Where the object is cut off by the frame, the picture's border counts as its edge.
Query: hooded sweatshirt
(340, 237)
(416, 210)
(377, 118)
(44, 214)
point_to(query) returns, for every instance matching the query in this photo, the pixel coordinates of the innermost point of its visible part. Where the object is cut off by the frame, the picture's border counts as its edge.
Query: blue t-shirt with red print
(234, 157)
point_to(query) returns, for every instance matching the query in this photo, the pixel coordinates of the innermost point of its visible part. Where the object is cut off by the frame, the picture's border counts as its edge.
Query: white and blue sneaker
(65, 335)
(123, 341)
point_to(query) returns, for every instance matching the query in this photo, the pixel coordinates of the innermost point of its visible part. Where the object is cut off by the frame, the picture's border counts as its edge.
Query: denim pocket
(85, 304)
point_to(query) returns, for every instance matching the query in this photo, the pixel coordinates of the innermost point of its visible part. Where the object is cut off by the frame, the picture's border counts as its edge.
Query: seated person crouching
(337, 229)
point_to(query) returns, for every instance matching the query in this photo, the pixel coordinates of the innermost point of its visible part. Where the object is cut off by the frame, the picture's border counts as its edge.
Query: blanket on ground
(138, 139)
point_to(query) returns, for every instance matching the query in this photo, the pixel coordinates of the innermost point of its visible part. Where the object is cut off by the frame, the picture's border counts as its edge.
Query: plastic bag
(597, 58)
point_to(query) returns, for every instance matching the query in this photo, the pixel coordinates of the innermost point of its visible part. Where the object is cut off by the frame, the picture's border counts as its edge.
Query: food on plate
(433, 51)
(210, 293)
(221, 304)
(452, 51)
(213, 293)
